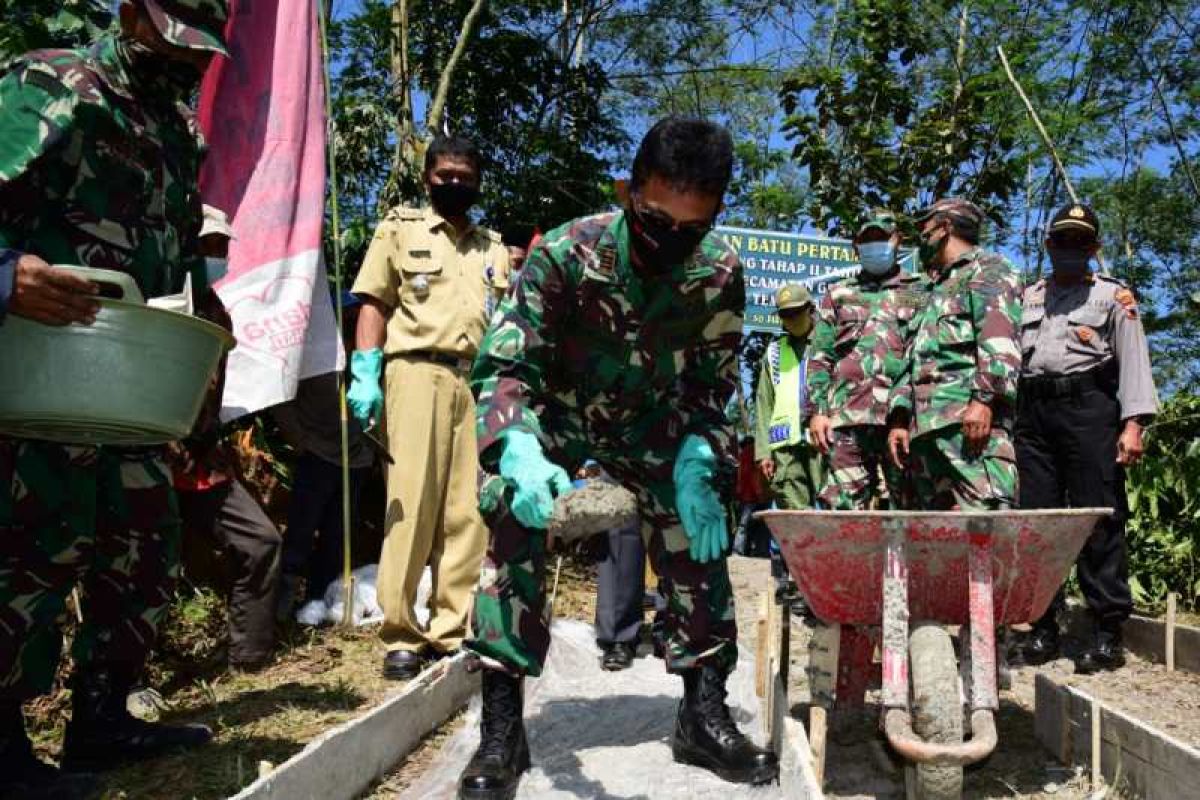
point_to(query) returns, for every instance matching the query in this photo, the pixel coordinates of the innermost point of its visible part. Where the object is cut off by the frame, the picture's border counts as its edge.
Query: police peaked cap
(1076, 217)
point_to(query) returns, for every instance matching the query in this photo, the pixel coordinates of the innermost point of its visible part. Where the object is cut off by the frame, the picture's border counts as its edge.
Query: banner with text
(772, 259)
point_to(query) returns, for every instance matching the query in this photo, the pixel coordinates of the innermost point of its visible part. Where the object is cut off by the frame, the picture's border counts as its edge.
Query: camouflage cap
(792, 295)
(1076, 217)
(881, 219)
(191, 24)
(962, 211)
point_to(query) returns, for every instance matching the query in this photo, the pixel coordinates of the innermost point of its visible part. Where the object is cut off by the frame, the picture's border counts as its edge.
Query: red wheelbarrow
(893, 580)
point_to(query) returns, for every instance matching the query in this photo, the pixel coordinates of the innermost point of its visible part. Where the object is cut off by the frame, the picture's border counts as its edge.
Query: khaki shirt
(440, 287)
(1075, 328)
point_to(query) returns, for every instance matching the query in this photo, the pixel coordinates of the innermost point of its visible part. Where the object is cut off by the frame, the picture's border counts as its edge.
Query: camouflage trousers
(103, 520)
(510, 624)
(799, 473)
(861, 473)
(945, 479)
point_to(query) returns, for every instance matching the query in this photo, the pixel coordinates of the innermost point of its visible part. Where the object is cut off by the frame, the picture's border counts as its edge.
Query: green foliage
(1164, 506)
(34, 24)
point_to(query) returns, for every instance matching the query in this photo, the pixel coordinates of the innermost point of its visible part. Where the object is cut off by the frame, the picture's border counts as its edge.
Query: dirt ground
(1168, 701)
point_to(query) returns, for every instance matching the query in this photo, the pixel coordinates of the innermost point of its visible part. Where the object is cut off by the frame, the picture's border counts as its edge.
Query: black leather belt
(434, 357)
(1047, 387)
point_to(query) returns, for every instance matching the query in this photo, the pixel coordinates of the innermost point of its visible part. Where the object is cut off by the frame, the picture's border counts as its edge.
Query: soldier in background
(618, 342)
(863, 324)
(98, 167)
(429, 282)
(955, 399)
(1086, 395)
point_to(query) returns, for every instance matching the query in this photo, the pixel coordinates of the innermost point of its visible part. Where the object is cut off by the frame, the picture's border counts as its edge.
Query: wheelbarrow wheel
(937, 711)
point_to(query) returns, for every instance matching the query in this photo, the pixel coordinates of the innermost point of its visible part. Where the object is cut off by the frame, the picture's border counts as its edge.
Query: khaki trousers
(432, 507)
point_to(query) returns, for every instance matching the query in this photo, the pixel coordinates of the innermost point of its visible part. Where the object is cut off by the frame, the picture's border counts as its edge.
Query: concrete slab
(1150, 764)
(605, 735)
(341, 763)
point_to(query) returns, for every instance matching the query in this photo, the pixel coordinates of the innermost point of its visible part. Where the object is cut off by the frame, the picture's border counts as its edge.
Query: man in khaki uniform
(428, 284)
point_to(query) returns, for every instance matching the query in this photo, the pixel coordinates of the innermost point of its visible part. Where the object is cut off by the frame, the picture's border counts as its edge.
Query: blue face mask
(877, 258)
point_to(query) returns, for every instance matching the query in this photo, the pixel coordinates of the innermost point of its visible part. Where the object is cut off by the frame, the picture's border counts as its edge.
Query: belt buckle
(463, 365)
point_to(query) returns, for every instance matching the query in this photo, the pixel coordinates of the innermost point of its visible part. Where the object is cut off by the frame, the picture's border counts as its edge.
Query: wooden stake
(554, 590)
(818, 723)
(761, 646)
(78, 605)
(1172, 599)
(1097, 776)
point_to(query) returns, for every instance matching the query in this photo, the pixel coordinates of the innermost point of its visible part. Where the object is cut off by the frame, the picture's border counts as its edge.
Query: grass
(320, 679)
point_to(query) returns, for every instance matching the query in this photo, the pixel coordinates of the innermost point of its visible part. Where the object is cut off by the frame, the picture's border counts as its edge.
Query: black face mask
(659, 247)
(453, 199)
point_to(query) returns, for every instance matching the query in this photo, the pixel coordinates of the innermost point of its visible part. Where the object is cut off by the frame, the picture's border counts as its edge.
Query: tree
(35, 24)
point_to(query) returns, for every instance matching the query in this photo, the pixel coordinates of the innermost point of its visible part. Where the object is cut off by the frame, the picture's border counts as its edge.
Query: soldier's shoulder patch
(1125, 299)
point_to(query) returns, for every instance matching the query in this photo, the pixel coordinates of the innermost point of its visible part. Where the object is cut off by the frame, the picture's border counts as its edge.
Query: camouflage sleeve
(510, 373)
(764, 405)
(37, 113)
(900, 397)
(710, 374)
(820, 358)
(995, 296)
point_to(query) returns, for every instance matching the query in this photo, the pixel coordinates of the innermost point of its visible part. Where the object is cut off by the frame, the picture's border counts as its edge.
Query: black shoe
(402, 665)
(102, 734)
(494, 772)
(1040, 647)
(23, 775)
(706, 736)
(617, 656)
(1105, 654)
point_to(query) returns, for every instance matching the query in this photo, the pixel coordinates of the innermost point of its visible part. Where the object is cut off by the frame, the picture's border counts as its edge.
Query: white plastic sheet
(596, 734)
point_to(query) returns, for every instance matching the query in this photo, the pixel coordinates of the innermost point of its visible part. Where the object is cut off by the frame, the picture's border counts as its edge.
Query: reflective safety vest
(789, 374)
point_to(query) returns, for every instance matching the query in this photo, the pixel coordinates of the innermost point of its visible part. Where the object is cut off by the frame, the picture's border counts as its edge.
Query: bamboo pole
(336, 223)
(1041, 129)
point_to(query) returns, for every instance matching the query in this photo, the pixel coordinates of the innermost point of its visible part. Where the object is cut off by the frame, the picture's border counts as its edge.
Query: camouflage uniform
(599, 362)
(98, 167)
(965, 345)
(857, 353)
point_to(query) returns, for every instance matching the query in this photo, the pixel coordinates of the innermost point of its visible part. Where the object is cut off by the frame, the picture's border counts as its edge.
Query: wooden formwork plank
(342, 762)
(1154, 765)
(797, 778)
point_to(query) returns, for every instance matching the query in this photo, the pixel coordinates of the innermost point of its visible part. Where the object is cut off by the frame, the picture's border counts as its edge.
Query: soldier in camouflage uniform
(955, 399)
(617, 342)
(98, 167)
(857, 353)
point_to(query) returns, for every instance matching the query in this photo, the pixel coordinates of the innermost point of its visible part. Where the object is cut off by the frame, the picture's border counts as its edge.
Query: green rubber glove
(700, 509)
(535, 480)
(366, 395)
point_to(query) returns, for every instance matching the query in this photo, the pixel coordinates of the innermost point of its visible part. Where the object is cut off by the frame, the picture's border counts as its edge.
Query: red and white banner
(262, 112)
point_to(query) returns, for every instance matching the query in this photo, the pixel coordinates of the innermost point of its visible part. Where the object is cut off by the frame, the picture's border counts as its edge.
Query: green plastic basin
(137, 376)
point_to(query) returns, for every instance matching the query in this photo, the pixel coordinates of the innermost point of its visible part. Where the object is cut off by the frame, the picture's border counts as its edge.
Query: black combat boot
(495, 770)
(103, 734)
(23, 775)
(706, 736)
(1041, 645)
(1106, 652)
